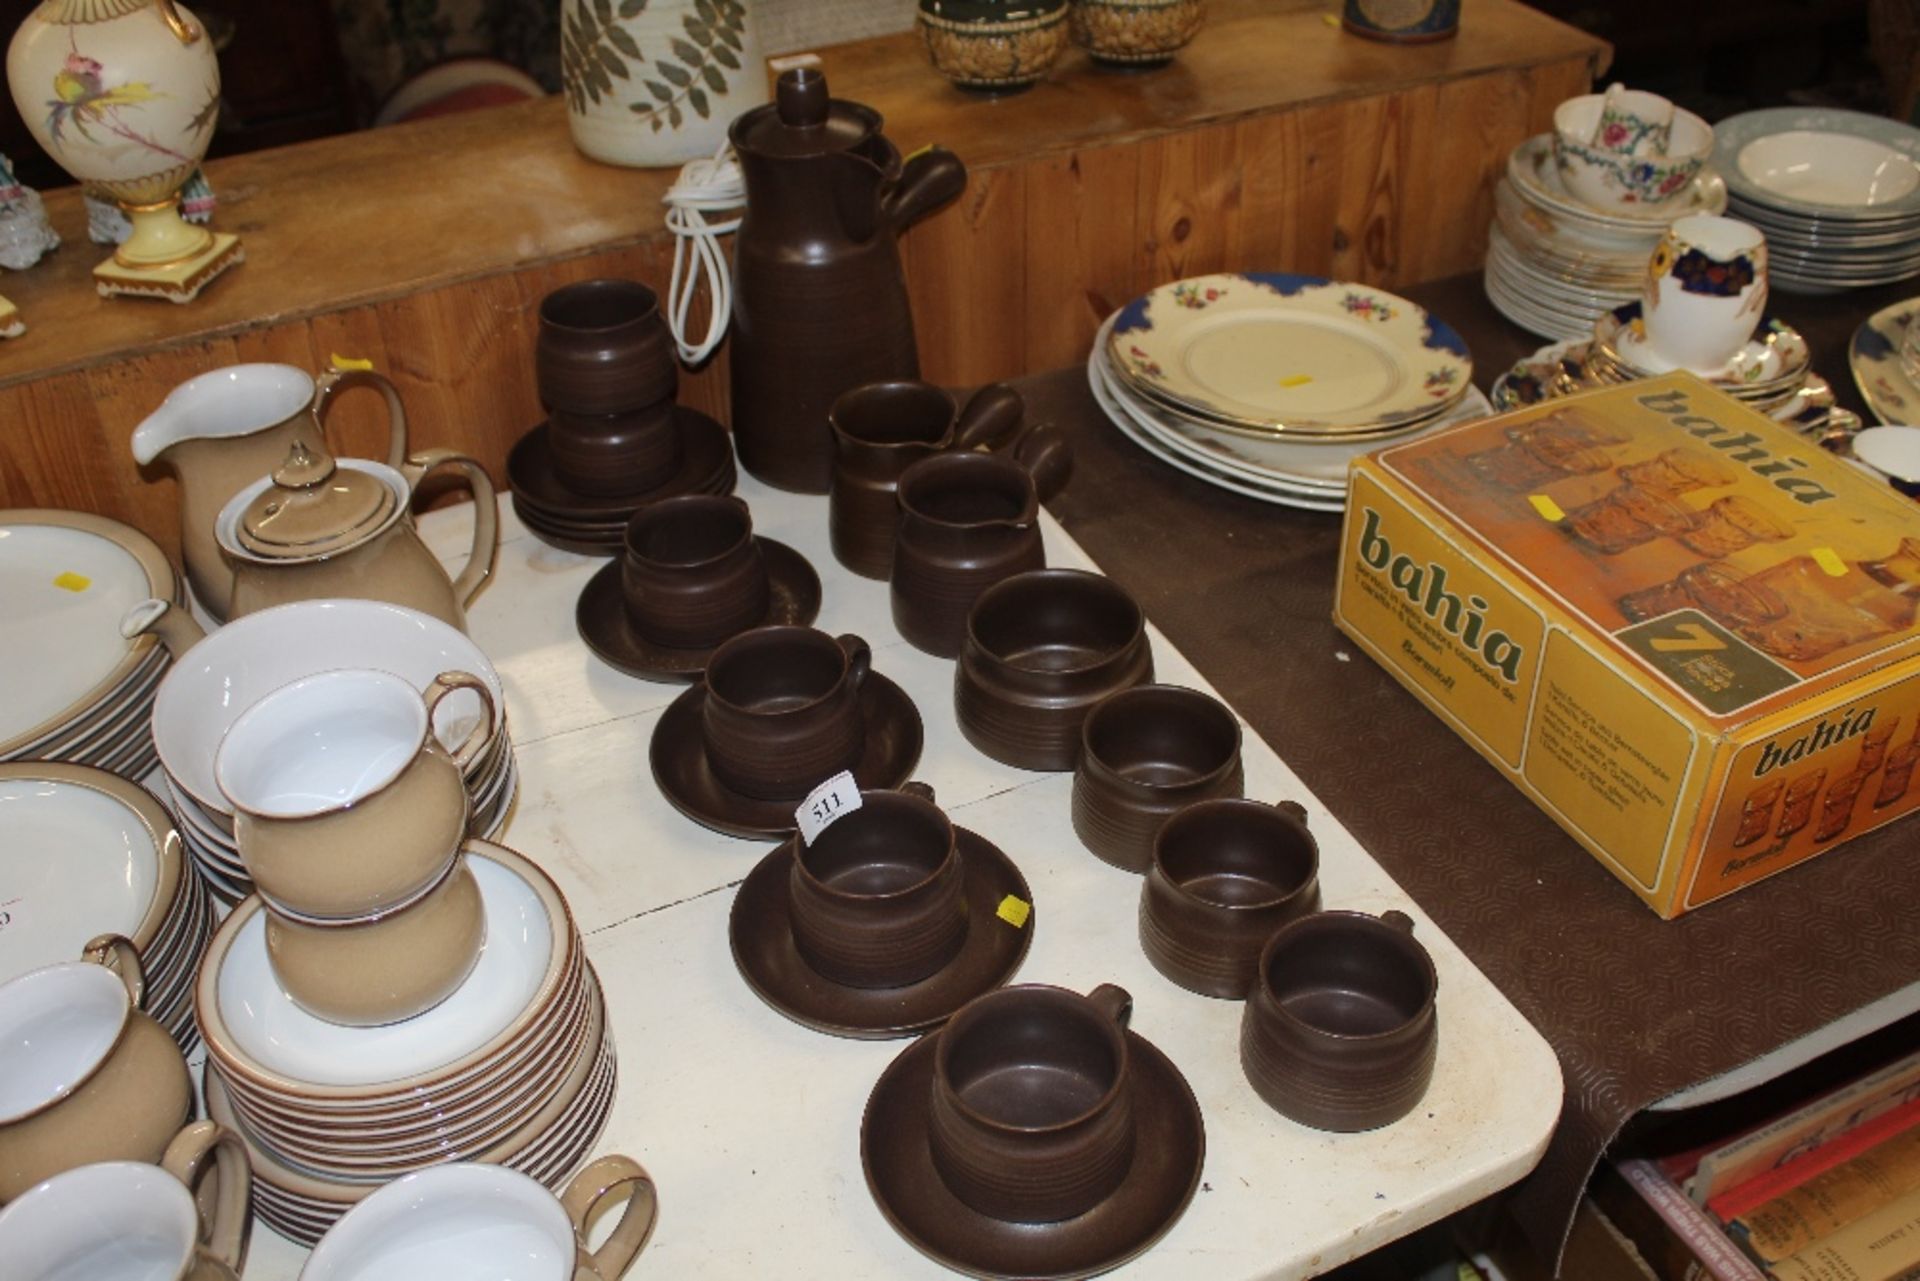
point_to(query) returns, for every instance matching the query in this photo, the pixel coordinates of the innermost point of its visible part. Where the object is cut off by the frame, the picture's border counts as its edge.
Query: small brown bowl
(1145, 754)
(1042, 649)
(604, 348)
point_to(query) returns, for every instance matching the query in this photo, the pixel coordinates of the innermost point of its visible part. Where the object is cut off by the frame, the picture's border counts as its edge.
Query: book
(1880, 1245)
(1823, 1205)
(1679, 1239)
(1742, 1197)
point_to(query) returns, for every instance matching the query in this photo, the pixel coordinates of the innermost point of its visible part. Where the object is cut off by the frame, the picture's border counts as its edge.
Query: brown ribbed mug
(604, 348)
(1146, 753)
(1226, 875)
(782, 710)
(691, 572)
(613, 455)
(1031, 1117)
(879, 899)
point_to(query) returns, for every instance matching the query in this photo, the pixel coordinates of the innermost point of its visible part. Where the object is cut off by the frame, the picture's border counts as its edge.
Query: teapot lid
(803, 121)
(312, 507)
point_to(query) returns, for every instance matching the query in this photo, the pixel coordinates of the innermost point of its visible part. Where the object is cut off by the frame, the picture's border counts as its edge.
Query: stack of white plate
(239, 664)
(72, 688)
(1555, 265)
(1268, 385)
(85, 853)
(1836, 192)
(516, 1068)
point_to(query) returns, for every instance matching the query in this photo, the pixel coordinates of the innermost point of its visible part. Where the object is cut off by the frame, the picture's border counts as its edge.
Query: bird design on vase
(81, 99)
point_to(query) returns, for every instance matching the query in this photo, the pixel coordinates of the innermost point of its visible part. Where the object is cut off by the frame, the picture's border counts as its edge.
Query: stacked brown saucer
(515, 1068)
(614, 439)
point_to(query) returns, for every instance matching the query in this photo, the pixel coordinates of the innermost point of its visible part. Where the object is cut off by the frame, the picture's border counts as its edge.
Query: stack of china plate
(72, 688)
(516, 1068)
(1771, 374)
(85, 853)
(1268, 385)
(1836, 192)
(1555, 265)
(236, 666)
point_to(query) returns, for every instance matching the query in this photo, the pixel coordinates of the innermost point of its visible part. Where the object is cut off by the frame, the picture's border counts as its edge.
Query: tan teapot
(326, 527)
(221, 431)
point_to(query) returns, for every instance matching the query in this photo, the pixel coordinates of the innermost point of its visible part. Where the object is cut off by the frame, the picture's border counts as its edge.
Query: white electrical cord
(704, 187)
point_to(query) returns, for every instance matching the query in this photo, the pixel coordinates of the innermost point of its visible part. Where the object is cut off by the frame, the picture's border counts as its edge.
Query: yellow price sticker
(1828, 559)
(1548, 509)
(1014, 910)
(352, 363)
(1296, 380)
(72, 582)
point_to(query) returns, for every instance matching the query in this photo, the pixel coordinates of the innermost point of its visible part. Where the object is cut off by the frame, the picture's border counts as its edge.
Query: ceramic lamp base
(11, 325)
(180, 280)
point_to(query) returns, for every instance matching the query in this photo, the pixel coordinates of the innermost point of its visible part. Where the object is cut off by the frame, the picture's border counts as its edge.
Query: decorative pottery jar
(123, 94)
(994, 45)
(1404, 21)
(1135, 33)
(656, 83)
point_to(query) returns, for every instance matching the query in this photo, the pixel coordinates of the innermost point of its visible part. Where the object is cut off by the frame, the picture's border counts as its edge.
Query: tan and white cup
(1705, 288)
(345, 802)
(134, 1221)
(84, 1075)
(459, 1220)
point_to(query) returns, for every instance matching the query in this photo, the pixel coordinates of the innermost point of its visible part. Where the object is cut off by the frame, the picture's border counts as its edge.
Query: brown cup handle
(482, 736)
(225, 1238)
(859, 658)
(121, 959)
(922, 791)
(1047, 455)
(1113, 1001)
(1292, 809)
(334, 381)
(604, 1178)
(1398, 920)
(991, 415)
(486, 514)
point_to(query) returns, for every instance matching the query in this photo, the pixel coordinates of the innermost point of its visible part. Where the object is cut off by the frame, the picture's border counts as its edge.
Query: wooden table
(750, 1123)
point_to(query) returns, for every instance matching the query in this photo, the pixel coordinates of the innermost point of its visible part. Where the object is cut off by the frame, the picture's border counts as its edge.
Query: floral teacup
(1705, 287)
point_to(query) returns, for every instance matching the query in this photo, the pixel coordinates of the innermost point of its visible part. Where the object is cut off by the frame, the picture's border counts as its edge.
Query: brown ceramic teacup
(782, 710)
(1226, 875)
(1145, 753)
(1042, 649)
(1031, 1117)
(604, 348)
(345, 801)
(1339, 1030)
(84, 1075)
(879, 898)
(385, 967)
(692, 573)
(612, 455)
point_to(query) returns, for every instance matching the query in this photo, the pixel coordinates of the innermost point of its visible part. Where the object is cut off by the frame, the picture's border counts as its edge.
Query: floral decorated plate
(1775, 358)
(1531, 169)
(1286, 353)
(1890, 392)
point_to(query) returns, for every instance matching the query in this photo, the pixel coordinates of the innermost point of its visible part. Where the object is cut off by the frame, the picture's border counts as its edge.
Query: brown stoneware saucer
(679, 757)
(761, 928)
(601, 617)
(704, 454)
(1169, 1150)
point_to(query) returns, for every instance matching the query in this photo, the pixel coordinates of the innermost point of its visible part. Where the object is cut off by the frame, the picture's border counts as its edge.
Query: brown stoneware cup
(604, 348)
(1226, 875)
(1042, 649)
(1032, 1111)
(692, 572)
(1339, 1030)
(1146, 753)
(612, 455)
(84, 1075)
(881, 429)
(782, 710)
(383, 968)
(878, 900)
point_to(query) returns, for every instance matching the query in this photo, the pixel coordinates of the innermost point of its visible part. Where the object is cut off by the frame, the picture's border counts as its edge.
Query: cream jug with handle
(221, 431)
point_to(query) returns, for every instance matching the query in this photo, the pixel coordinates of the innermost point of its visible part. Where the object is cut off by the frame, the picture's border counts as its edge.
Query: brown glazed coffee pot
(820, 300)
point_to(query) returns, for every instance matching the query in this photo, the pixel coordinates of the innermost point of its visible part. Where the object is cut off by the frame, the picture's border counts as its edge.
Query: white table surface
(750, 1123)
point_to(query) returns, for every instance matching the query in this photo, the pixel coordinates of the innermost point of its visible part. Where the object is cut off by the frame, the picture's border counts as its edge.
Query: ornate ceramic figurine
(123, 94)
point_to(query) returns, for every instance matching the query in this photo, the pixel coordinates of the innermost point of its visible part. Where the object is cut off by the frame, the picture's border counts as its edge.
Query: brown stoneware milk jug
(820, 301)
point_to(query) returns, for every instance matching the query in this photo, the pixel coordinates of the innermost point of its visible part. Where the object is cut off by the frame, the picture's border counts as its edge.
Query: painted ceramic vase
(657, 83)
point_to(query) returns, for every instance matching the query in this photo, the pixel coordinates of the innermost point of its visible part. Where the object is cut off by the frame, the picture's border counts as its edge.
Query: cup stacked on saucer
(85, 853)
(1581, 209)
(72, 688)
(217, 678)
(1268, 384)
(1837, 192)
(614, 439)
(514, 1067)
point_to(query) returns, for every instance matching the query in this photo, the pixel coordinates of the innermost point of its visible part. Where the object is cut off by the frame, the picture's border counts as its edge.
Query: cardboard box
(1686, 633)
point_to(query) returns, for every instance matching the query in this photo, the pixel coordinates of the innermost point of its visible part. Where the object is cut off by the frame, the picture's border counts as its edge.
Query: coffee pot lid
(803, 121)
(312, 507)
